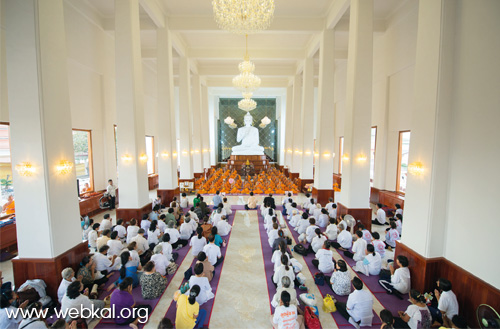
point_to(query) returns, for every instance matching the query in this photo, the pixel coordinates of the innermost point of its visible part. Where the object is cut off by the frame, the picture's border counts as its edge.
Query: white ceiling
(277, 52)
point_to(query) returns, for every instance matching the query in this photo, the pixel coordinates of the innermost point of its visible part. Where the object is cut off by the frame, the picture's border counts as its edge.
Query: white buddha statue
(249, 138)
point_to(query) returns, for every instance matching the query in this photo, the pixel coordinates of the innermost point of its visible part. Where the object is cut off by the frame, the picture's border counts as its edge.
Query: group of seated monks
(230, 182)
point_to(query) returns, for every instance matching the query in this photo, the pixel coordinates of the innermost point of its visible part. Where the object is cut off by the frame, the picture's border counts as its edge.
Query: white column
(196, 118)
(132, 172)
(289, 128)
(297, 125)
(308, 120)
(185, 118)
(47, 210)
(427, 194)
(325, 130)
(167, 166)
(356, 172)
(205, 127)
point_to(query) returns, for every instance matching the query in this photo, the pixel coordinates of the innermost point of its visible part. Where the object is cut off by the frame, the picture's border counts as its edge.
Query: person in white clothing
(342, 222)
(359, 247)
(329, 205)
(333, 212)
(400, 281)
(68, 276)
(213, 251)
(318, 241)
(162, 226)
(145, 223)
(85, 233)
(379, 245)
(154, 234)
(307, 203)
(167, 248)
(103, 263)
(111, 192)
(288, 206)
(344, 239)
(273, 234)
(284, 270)
(286, 314)
(115, 245)
(201, 280)
(317, 212)
(197, 242)
(186, 229)
(302, 224)
(391, 236)
(324, 259)
(310, 232)
(173, 233)
(223, 227)
(227, 207)
(367, 236)
(380, 216)
(276, 258)
(359, 305)
(161, 262)
(142, 243)
(106, 223)
(312, 207)
(75, 300)
(332, 230)
(295, 218)
(193, 215)
(323, 218)
(398, 210)
(93, 235)
(184, 201)
(132, 230)
(7, 318)
(285, 286)
(217, 216)
(371, 264)
(399, 223)
(447, 303)
(417, 315)
(122, 231)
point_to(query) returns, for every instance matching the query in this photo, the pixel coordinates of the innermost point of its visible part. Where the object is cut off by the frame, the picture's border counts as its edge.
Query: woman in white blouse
(284, 270)
(324, 259)
(132, 230)
(197, 242)
(201, 280)
(371, 264)
(154, 234)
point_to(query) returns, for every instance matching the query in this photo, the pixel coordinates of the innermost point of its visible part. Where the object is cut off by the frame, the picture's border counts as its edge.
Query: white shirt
(345, 239)
(184, 202)
(132, 232)
(312, 208)
(174, 235)
(310, 233)
(213, 252)
(227, 208)
(185, 231)
(193, 215)
(276, 259)
(399, 211)
(142, 243)
(379, 247)
(302, 226)
(325, 257)
(317, 242)
(391, 237)
(415, 314)
(216, 218)
(197, 245)
(161, 263)
(167, 250)
(316, 214)
(286, 317)
(205, 289)
(145, 224)
(295, 220)
(223, 228)
(401, 280)
(135, 257)
(86, 233)
(77, 303)
(367, 236)
(328, 206)
(122, 231)
(273, 235)
(7, 322)
(331, 231)
(93, 239)
(360, 304)
(63, 287)
(277, 296)
(399, 226)
(333, 213)
(381, 216)
(105, 225)
(281, 272)
(161, 226)
(153, 237)
(102, 262)
(323, 220)
(115, 247)
(111, 190)
(370, 265)
(344, 224)
(359, 249)
(448, 303)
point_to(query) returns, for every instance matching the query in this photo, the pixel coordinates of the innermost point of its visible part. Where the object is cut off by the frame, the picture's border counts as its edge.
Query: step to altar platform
(238, 162)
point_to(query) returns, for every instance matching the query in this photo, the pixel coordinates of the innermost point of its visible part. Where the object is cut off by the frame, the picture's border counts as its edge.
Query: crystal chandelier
(243, 16)
(264, 122)
(246, 81)
(247, 103)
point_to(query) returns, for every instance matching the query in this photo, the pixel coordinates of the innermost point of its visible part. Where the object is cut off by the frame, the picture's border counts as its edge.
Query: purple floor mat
(208, 306)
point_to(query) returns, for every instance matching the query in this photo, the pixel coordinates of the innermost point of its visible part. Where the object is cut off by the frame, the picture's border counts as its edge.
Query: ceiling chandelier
(243, 16)
(246, 81)
(247, 103)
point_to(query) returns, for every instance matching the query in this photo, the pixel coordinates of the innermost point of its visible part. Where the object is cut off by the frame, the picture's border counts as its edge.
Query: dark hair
(131, 246)
(399, 216)
(225, 199)
(145, 217)
(165, 237)
(149, 266)
(106, 232)
(312, 221)
(165, 323)
(163, 216)
(141, 231)
(324, 211)
(359, 234)
(106, 216)
(119, 222)
(201, 198)
(375, 235)
(201, 256)
(371, 249)
(6, 298)
(73, 289)
(156, 208)
(387, 318)
(124, 257)
(294, 204)
(379, 205)
(403, 260)
(251, 193)
(270, 212)
(170, 210)
(199, 231)
(214, 230)
(275, 226)
(332, 220)
(198, 268)
(184, 194)
(59, 324)
(127, 282)
(192, 209)
(96, 226)
(133, 222)
(444, 284)
(304, 215)
(326, 244)
(318, 232)
(152, 228)
(361, 227)
(459, 321)
(393, 224)
(285, 298)
(415, 294)
(193, 293)
(357, 283)
(342, 265)
(284, 261)
(211, 238)
(104, 248)
(289, 194)
(334, 206)
(114, 234)
(85, 261)
(397, 205)
(283, 247)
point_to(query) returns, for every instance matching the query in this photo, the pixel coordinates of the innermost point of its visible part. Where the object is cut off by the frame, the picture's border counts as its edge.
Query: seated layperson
(371, 264)
(380, 216)
(152, 283)
(199, 279)
(74, 299)
(399, 279)
(344, 239)
(324, 259)
(286, 314)
(341, 279)
(416, 316)
(359, 247)
(359, 305)
(122, 299)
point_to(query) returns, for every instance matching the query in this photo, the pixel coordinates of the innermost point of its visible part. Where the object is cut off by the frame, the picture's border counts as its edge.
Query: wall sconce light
(361, 157)
(205, 151)
(127, 157)
(143, 157)
(326, 154)
(185, 153)
(25, 169)
(316, 154)
(164, 154)
(345, 157)
(174, 154)
(308, 152)
(416, 168)
(64, 167)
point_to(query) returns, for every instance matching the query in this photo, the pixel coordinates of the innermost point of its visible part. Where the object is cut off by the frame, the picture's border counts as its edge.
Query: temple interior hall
(250, 163)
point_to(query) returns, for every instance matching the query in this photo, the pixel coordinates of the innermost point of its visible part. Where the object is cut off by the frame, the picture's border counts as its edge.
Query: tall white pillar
(289, 128)
(185, 119)
(47, 210)
(356, 171)
(205, 127)
(297, 125)
(132, 160)
(167, 166)
(196, 118)
(306, 172)
(325, 129)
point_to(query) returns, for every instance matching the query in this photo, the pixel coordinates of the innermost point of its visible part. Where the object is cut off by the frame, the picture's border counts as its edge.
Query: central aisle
(242, 300)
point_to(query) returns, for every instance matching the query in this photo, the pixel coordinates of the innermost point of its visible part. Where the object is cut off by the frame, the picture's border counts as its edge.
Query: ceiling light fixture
(243, 16)
(246, 81)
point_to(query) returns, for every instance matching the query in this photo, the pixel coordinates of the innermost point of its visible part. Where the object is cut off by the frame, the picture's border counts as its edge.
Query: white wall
(4, 109)
(475, 142)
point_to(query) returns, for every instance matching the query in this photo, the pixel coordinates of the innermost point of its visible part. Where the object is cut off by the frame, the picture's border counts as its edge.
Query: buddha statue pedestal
(259, 162)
